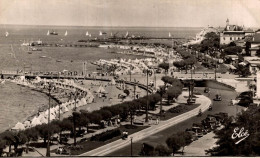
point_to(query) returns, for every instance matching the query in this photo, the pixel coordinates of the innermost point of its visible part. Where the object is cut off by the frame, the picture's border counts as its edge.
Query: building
(255, 44)
(254, 64)
(233, 33)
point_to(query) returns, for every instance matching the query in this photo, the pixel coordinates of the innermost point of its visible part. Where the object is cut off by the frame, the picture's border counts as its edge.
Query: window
(230, 38)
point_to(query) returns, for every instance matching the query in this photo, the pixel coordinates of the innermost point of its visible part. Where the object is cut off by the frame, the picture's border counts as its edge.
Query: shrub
(177, 109)
(106, 135)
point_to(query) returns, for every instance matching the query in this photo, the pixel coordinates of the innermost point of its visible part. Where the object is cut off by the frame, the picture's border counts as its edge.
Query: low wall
(213, 84)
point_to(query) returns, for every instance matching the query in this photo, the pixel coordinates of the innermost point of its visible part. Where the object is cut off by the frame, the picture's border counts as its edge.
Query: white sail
(100, 33)
(170, 34)
(126, 35)
(48, 33)
(6, 34)
(111, 34)
(66, 33)
(87, 33)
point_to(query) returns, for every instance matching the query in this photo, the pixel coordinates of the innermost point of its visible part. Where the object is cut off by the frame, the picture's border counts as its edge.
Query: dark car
(218, 98)
(245, 101)
(246, 94)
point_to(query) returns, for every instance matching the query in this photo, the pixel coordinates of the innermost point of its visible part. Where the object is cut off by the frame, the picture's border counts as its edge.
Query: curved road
(111, 147)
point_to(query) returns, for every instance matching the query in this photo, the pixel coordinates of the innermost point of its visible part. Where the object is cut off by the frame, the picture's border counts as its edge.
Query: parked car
(245, 101)
(218, 97)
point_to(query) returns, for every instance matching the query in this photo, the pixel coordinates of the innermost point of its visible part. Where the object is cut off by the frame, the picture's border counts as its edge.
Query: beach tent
(101, 89)
(64, 109)
(113, 82)
(18, 126)
(37, 79)
(52, 116)
(35, 121)
(27, 124)
(90, 99)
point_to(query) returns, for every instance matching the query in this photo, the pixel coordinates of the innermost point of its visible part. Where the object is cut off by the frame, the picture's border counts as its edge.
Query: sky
(147, 13)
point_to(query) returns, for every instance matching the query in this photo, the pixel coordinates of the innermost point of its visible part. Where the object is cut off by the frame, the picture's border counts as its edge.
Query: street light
(148, 73)
(75, 96)
(131, 146)
(50, 87)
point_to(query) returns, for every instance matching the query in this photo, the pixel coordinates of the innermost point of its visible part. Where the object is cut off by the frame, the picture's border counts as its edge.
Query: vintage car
(218, 98)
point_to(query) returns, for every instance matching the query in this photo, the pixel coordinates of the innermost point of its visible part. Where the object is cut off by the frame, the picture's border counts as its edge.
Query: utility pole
(75, 96)
(147, 101)
(48, 143)
(131, 146)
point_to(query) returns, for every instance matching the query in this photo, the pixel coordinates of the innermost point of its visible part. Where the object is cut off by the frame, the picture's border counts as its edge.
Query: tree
(9, 138)
(164, 66)
(43, 131)
(178, 140)
(247, 49)
(2, 146)
(243, 71)
(106, 114)
(161, 150)
(95, 117)
(161, 92)
(175, 142)
(232, 50)
(84, 121)
(172, 92)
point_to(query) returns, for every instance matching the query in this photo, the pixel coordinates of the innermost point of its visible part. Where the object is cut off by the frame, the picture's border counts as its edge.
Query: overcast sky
(162, 13)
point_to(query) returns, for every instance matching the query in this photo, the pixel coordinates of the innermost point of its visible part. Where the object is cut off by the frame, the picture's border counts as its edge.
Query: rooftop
(256, 38)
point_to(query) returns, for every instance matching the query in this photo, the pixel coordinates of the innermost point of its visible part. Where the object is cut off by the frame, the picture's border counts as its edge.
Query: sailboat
(126, 35)
(48, 33)
(100, 33)
(66, 33)
(87, 33)
(6, 34)
(111, 34)
(170, 34)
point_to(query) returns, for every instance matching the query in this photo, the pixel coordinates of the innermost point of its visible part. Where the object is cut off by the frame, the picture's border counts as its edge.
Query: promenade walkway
(111, 147)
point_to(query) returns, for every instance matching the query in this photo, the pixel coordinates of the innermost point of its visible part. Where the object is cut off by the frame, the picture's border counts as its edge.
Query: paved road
(111, 147)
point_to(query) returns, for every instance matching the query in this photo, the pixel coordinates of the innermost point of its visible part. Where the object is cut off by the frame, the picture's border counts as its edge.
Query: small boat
(36, 49)
(42, 56)
(53, 33)
(66, 33)
(87, 33)
(58, 60)
(6, 34)
(48, 33)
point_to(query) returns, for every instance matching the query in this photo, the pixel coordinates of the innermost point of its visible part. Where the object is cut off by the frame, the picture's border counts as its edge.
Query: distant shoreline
(31, 25)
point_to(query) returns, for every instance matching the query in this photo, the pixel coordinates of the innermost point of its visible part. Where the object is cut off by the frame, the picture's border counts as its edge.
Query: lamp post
(50, 87)
(74, 95)
(131, 146)
(148, 72)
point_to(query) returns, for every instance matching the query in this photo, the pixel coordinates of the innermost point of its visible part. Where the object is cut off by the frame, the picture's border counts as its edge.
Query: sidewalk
(111, 147)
